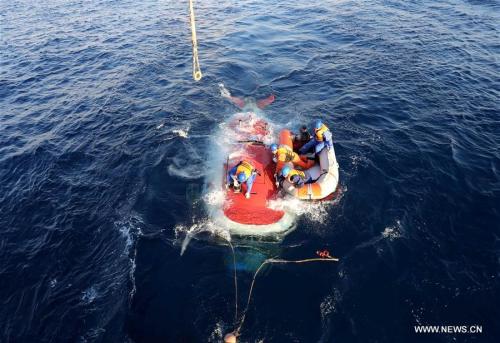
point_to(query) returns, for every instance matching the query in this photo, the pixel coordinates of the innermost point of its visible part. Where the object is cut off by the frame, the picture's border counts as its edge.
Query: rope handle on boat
(251, 141)
(196, 63)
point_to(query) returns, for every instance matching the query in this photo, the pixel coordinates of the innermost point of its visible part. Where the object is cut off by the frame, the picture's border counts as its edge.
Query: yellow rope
(268, 261)
(196, 63)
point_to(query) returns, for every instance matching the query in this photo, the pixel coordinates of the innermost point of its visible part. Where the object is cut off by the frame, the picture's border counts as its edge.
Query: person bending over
(296, 177)
(242, 173)
(283, 154)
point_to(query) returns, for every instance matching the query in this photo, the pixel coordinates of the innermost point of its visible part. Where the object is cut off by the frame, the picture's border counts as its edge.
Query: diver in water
(241, 173)
(322, 138)
(246, 101)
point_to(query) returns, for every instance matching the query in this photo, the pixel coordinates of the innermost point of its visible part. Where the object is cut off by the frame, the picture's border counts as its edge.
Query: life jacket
(296, 172)
(286, 151)
(318, 133)
(246, 168)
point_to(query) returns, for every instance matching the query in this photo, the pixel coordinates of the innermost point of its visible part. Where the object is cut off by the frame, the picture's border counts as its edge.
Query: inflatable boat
(324, 173)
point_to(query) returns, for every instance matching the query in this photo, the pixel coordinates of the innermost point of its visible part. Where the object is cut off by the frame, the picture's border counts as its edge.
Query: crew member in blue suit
(322, 138)
(241, 173)
(296, 177)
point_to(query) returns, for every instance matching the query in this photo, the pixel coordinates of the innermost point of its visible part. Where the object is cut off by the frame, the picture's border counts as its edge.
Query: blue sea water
(103, 144)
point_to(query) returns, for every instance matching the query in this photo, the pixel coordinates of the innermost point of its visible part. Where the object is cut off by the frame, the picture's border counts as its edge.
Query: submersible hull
(252, 216)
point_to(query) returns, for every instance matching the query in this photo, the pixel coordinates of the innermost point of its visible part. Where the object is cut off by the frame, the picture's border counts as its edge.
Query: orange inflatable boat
(324, 172)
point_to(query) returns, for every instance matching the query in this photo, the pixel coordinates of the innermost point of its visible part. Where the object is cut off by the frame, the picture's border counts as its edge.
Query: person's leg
(249, 182)
(308, 178)
(306, 147)
(230, 175)
(319, 147)
(302, 162)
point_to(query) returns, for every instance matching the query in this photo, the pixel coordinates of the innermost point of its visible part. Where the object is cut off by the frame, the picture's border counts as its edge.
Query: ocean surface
(104, 138)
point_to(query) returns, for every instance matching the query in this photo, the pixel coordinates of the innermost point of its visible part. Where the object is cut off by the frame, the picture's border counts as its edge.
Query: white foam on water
(327, 306)
(184, 172)
(314, 211)
(215, 197)
(205, 225)
(93, 334)
(394, 231)
(89, 295)
(192, 167)
(132, 277)
(183, 133)
(358, 160)
(217, 334)
(130, 229)
(125, 231)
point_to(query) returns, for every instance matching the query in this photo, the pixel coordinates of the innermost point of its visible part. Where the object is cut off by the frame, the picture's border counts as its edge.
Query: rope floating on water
(326, 258)
(235, 284)
(196, 63)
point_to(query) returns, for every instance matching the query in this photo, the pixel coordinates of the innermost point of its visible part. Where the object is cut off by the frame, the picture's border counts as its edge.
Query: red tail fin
(238, 102)
(265, 102)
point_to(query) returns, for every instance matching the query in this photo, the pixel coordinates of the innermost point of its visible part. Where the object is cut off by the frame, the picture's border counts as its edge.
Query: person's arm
(305, 148)
(230, 174)
(250, 184)
(276, 180)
